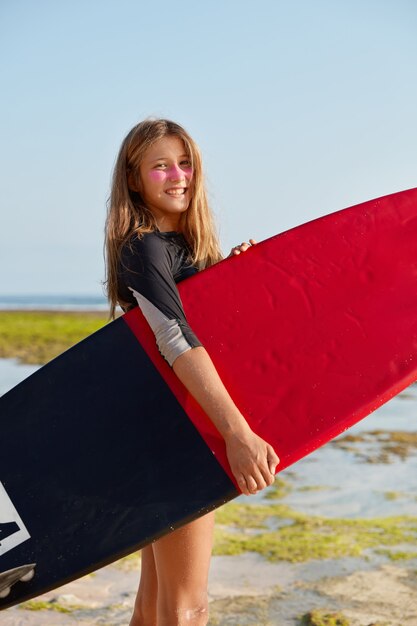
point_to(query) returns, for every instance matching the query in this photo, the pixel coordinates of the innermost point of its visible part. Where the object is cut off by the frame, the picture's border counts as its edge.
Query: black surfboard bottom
(100, 460)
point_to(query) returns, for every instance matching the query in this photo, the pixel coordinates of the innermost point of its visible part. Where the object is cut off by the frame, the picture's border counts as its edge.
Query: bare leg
(182, 561)
(174, 577)
(144, 613)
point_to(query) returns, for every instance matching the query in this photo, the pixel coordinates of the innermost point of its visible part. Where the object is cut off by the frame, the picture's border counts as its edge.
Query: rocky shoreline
(244, 591)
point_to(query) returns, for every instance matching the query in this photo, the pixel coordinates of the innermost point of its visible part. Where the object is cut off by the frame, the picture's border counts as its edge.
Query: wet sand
(245, 590)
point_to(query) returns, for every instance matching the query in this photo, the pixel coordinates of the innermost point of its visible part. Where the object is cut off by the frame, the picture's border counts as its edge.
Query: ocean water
(332, 481)
(12, 373)
(54, 302)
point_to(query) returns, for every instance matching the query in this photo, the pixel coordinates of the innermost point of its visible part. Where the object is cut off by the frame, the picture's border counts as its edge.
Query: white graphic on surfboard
(12, 529)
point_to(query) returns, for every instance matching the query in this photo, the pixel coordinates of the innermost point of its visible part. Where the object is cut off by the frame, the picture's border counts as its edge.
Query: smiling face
(165, 181)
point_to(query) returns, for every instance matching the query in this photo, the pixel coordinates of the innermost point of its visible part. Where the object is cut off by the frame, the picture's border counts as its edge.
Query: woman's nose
(176, 173)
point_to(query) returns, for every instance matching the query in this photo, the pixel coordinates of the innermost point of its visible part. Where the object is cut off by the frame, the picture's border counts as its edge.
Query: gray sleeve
(169, 337)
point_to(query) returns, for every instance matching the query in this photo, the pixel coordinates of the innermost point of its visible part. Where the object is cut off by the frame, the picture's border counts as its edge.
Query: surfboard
(103, 449)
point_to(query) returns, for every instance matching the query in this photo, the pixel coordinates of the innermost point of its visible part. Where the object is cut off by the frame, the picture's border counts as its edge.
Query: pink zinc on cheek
(157, 175)
(188, 171)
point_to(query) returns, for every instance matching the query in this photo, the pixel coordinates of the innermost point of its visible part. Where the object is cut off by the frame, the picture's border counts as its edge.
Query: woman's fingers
(273, 460)
(242, 247)
(248, 485)
(267, 477)
(256, 479)
(263, 474)
(251, 484)
(260, 478)
(242, 484)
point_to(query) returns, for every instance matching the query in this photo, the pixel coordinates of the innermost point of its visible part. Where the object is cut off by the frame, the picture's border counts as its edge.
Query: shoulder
(149, 245)
(140, 254)
(148, 242)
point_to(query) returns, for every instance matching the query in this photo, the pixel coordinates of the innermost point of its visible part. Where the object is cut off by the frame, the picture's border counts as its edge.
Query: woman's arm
(146, 271)
(252, 460)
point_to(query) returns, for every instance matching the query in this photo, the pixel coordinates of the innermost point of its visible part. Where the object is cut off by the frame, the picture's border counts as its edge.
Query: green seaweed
(392, 495)
(129, 562)
(39, 336)
(248, 515)
(399, 555)
(393, 445)
(42, 605)
(279, 489)
(319, 617)
(306, 537)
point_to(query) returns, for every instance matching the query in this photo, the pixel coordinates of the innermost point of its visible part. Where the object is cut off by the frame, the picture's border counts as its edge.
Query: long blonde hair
(127, 213)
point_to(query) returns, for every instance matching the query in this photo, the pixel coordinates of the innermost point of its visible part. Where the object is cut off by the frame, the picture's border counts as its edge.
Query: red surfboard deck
(312, 329)
(103, 450)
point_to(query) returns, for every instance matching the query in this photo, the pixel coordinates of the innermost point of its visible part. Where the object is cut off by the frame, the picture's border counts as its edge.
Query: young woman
(159, 230)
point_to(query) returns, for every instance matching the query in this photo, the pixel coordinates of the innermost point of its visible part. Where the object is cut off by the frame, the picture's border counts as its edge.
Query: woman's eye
(186, 163)
(160, 165)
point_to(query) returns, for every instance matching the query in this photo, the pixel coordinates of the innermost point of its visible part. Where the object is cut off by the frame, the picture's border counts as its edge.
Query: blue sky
(300, 108)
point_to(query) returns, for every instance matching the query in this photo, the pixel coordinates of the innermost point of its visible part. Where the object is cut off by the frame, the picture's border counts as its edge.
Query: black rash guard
(149, 269)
